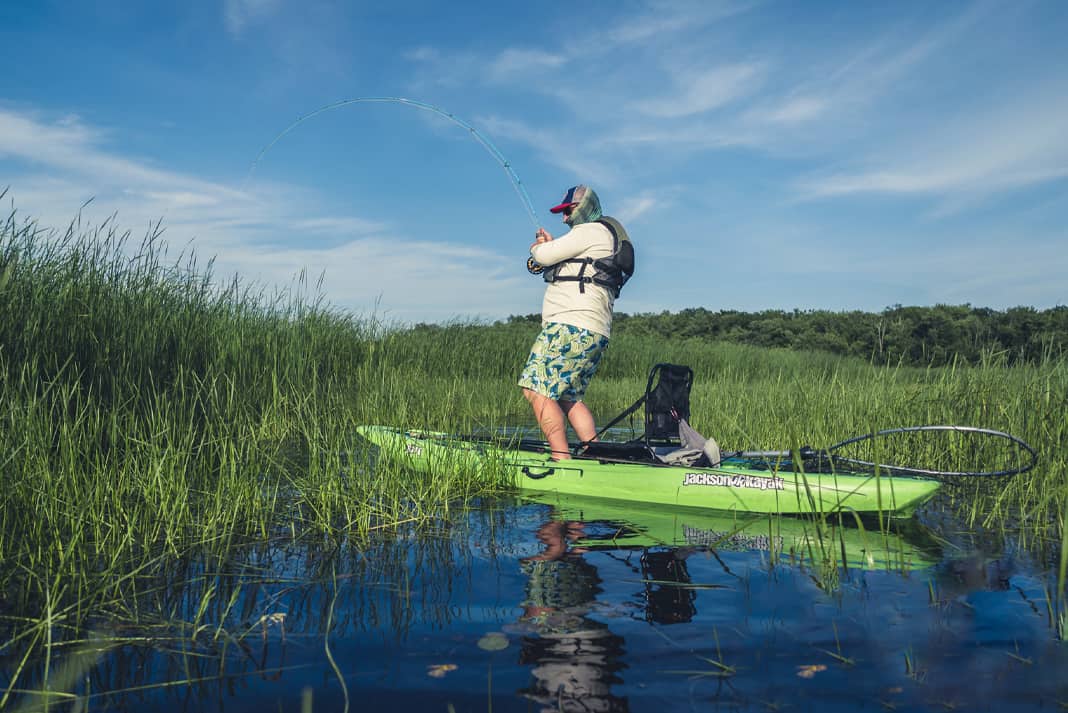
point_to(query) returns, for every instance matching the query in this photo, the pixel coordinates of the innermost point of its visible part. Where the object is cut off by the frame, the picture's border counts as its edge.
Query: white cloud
(1001, 146)
(797, 109)
(664, 20)
(238, 13)
(704, 90)
(23, 137)
(181, 199)
(816, 100)
(70, 147)
(688, 137)
(347, 225)
(554, 146)
(512, 63)
(422, 54)
(634, 208)
(410, 280)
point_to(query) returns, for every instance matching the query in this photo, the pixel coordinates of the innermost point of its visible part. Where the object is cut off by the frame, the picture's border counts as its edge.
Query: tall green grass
(148, 412)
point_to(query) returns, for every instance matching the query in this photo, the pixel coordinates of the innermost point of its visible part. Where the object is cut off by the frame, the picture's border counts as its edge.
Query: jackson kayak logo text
(723, 480)
(711, 538)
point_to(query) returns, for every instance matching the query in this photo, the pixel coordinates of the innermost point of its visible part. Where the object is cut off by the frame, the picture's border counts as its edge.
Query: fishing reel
(533, 267)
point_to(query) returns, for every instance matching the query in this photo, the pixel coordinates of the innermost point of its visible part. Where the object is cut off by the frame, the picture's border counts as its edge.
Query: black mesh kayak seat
(667, 404)
(666, 400)
(668, 438)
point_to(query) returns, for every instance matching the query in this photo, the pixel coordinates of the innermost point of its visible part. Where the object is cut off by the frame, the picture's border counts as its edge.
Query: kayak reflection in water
(575, 658)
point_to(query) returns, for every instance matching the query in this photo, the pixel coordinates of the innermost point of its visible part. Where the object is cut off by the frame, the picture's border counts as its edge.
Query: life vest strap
(581, 277)
(608, 272)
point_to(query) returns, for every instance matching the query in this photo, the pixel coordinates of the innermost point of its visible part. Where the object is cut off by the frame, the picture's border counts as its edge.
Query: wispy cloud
(659, 22)
(1004, 145)
(652, 28)
(408, 280)
(339, 226)
(636, 206)
(237, 14)
(704, 90)
(512, 63)
(555, 145)
(70, 147)
(797, 109)
(860, 113)
(827, 96)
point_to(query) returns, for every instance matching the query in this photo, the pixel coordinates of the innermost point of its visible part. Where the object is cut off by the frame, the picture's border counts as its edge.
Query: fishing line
(517, 184)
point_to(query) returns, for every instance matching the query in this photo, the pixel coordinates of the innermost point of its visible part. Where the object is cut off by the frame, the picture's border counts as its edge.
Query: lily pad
(493, 641)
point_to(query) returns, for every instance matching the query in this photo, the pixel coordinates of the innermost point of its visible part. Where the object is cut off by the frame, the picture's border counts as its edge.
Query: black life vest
(610, 272)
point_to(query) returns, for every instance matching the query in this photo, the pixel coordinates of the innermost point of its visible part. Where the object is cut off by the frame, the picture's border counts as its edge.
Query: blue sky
(810, 155)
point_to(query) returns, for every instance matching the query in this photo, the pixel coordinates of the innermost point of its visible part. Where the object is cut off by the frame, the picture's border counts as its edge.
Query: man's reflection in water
(575, 659)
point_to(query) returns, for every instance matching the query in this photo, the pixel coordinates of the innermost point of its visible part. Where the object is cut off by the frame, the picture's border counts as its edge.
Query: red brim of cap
(560, 208)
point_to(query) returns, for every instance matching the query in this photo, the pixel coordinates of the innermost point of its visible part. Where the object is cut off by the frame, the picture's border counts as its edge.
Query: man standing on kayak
(576, 316)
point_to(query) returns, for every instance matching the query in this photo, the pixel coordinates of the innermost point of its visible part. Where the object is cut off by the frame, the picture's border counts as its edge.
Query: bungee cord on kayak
(517, 184)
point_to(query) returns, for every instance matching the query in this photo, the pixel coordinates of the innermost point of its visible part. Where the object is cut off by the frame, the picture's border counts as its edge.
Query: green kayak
(738, 486)
(616, 524)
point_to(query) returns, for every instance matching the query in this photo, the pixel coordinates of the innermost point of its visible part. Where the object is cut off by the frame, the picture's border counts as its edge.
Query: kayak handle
(537, 476)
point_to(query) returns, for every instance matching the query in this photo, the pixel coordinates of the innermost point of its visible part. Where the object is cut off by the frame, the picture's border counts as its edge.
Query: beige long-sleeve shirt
(563, 302)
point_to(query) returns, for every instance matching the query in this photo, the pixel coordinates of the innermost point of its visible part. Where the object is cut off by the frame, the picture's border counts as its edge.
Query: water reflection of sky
(589, 626)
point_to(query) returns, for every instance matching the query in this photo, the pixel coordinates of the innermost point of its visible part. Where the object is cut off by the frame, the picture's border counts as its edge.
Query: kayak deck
(734, 486)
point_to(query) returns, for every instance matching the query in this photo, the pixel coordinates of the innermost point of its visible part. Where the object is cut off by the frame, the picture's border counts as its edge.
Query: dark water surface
(524, 606)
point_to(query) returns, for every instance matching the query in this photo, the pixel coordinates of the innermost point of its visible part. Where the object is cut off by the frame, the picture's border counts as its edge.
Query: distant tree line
(919, 336)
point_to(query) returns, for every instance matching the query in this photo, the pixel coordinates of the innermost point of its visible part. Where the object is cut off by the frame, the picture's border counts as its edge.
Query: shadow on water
(585, 606)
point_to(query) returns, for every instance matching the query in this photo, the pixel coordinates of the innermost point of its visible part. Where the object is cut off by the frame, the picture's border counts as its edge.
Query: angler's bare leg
(581, 420)
(550, 418)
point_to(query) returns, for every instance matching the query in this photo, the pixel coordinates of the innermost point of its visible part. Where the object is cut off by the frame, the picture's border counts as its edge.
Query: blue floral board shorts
(562, 361)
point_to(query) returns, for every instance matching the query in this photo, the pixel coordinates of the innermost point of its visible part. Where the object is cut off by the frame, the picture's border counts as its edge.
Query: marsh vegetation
(155, 421)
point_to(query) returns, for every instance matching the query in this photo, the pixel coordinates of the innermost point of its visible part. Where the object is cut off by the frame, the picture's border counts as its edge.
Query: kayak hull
(731, 487)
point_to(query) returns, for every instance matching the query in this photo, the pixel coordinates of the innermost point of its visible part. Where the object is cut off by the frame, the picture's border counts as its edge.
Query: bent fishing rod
(488, 145)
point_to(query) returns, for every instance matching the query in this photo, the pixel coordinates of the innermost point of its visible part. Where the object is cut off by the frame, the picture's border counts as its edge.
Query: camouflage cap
(584, 204)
